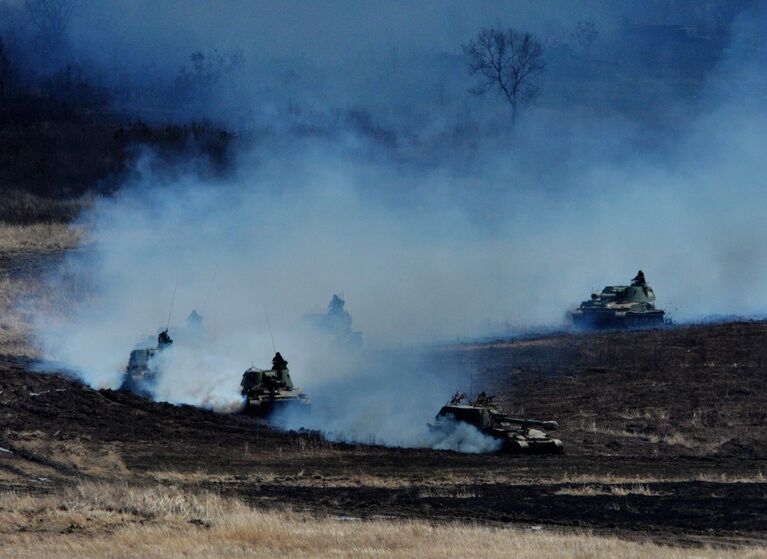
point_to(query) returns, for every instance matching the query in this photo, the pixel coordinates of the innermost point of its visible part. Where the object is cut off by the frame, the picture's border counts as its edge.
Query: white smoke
(463, 437)
(195, 376)
(417, 265)
(390, 398)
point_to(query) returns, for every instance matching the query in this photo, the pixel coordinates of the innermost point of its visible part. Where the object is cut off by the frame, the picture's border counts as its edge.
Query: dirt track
(664, 434)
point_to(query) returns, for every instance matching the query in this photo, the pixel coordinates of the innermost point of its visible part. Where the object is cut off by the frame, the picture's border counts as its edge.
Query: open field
(26, 252)
(115, 520)
(38, 237)
(664, 432)
(610, 481)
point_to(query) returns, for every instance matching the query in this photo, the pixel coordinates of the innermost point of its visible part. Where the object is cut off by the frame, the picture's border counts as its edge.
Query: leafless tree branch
(507, 61)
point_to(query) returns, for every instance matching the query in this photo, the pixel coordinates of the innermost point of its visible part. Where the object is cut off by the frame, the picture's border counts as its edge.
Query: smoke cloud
(452, 240)
(291, 229)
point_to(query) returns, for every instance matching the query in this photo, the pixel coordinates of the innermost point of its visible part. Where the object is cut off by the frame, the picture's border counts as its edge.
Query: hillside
(661, 427)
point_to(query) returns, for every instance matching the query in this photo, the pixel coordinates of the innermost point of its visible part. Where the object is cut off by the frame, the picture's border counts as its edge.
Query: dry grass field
(25, 253)
(38, 237)
(116, 520)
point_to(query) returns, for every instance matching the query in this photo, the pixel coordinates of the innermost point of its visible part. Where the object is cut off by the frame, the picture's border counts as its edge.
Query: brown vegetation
(38, 237)
(20, 207)
(121, 520)
(25, 252)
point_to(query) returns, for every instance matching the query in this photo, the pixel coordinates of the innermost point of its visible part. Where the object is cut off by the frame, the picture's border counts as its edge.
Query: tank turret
(620, 306)
(337, 323)
(140, 375)
(267, 390)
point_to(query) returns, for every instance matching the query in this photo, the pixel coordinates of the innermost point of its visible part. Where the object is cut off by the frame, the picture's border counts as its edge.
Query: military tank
(267, 391)
(336, 322)
(620, 306)
(515, 435)
(140, 375)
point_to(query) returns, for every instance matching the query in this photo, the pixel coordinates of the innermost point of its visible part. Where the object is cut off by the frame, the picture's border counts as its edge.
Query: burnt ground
(664, 432)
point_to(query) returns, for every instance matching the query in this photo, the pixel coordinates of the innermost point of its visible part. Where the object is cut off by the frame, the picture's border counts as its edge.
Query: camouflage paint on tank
(141, 374)
(620, 306)
(516, 435)
(267, 389)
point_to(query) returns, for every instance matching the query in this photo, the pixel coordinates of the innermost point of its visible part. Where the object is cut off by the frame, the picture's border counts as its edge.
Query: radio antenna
(269, 324)
(172, 301)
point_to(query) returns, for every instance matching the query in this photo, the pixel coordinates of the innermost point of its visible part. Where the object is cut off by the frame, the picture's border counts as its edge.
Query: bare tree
(585, 34)
(507, 61)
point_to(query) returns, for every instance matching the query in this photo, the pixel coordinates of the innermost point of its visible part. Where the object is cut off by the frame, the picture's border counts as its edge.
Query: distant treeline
(70, 127)
(60, 141)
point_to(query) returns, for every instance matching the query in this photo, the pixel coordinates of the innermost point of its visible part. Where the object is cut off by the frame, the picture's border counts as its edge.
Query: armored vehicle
(620, 306)
(268, 390)
(337, 322)
(140, 375)
(514, 434)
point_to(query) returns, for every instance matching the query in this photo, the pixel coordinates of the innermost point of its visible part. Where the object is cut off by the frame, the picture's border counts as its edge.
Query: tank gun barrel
(545, 425)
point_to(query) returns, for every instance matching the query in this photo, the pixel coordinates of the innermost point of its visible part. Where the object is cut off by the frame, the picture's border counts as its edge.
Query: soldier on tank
(483, 399)
(639, 280)
(164, 339)
(458, 397)
(278, 362)
(336, 305)
(337, 318)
